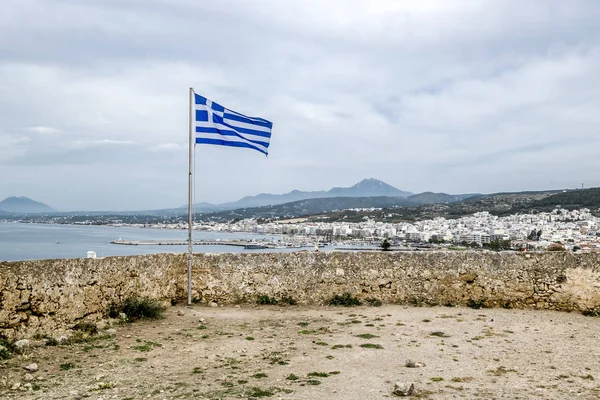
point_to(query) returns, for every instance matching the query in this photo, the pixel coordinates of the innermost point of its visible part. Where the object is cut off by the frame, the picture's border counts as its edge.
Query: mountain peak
(23, 205)
(370, 182)
(369, 187)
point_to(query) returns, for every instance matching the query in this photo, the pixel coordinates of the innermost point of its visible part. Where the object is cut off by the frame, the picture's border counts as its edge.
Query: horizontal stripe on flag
(219, 121)
(260, 136)
(227, 143)
(215, 124)
(248, 120)
(228, 132)
(229, 139)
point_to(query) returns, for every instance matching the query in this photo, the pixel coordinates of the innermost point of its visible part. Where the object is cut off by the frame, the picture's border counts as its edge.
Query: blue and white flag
(215, 124)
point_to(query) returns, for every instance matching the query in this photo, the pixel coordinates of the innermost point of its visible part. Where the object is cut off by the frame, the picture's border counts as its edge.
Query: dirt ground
(295, 352)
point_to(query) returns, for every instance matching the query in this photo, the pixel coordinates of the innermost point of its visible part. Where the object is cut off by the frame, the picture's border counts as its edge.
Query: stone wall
(50, 295)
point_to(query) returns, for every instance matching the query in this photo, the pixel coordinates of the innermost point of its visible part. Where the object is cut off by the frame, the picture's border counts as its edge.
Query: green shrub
(288, 300)
(345, 300)
(266, 300)
(374, 302)
(475, 304)
(7, 347)
(87, 327)
(591, 313)
(137, 308)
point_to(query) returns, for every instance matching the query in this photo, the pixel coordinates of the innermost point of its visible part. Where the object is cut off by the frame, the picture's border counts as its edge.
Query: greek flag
(218, 125)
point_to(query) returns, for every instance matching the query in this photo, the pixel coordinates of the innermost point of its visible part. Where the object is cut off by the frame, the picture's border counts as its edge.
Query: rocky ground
(295, 352)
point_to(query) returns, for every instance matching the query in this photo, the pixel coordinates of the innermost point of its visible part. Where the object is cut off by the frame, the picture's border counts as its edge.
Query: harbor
(246, 244)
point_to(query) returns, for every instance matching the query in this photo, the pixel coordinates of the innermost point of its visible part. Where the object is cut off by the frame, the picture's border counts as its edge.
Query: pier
(241, 243)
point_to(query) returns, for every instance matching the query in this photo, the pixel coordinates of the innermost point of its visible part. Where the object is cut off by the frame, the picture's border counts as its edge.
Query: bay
(19, 241)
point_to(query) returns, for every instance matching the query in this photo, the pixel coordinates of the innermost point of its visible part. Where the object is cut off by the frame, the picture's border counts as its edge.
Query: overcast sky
(444, 96)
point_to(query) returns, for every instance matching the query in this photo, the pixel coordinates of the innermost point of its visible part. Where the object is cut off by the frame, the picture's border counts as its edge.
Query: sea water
(24, 241)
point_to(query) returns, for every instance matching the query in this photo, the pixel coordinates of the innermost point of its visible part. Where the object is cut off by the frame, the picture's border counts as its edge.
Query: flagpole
(190, 211)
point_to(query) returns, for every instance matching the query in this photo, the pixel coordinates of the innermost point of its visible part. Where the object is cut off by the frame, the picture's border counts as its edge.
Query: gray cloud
(455, 96)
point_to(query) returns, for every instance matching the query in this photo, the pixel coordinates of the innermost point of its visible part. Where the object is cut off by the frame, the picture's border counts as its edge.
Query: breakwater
(53, 295)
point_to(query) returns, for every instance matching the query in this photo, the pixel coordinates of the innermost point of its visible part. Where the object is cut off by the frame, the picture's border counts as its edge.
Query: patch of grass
(202, 327)
(374, 302)
(242, 381)
(318, 374)
(438, 334)
(334, 373)
(329, 357)
(313, 382)
(197, 370)
(140, 359)
(275, 357)
(249, 338)
(292, 377)
(303, 324)
(426, 320)
(367, 336)
(322, 344)
(260, 375)
(266, 300)
(341, 346)
(103, 386)
(89, 347)
(307, 332)
(501, 370)
(345, 300)
(437, 379)
(80, 337)
(371, 325)
(66, 366)
(258, 392)
(588, 377)
(148, 346)
(371, 346)
(464, 379)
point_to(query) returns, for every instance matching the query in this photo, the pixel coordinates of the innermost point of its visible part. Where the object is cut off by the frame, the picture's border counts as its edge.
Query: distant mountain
(24, 205)
(306, 207)
(325, 205)
(365, 188)
(439, 198)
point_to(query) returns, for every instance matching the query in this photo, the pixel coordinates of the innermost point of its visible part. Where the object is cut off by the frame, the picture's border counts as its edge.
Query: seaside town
(575, 230)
